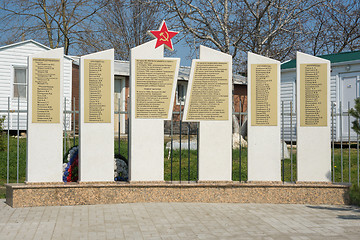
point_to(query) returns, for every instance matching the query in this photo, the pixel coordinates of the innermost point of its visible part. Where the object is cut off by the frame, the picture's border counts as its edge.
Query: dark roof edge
(333, 58)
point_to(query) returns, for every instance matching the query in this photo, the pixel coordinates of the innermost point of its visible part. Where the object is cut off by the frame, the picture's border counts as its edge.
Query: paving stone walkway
(180, 221)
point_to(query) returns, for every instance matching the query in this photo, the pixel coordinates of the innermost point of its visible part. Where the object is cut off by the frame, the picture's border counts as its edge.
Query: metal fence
(344, 143)
(6, 114)
(182, 162)
(351, 159)
(177, 115)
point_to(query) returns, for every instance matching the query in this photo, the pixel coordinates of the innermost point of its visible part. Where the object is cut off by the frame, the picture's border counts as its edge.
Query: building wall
(340, 74)
(68, 90)
(240, 99)
(17, 55)
(121, 93)
(75, 93)
(338, 71)
(10, 57)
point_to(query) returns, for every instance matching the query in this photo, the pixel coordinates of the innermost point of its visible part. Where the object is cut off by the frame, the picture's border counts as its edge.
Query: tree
(209, 23)
(334, 27)
(56, 23)
(275, 27)
(272, 27)
(123, 25)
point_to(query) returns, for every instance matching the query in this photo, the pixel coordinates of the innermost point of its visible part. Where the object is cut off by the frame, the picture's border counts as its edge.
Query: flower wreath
(71, 166)
(120, 168)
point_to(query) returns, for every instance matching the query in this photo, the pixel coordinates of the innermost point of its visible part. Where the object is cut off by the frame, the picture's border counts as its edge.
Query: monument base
(31, 195)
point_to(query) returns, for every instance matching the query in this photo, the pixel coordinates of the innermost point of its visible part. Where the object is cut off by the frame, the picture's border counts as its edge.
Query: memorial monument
(313, 125)
(264, 143)
(152, 92)
(45, 117)
(96, 152)
(209, 102)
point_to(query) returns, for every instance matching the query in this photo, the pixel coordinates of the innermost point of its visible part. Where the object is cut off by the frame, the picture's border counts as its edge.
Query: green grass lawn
(172, 168)
(13, 161)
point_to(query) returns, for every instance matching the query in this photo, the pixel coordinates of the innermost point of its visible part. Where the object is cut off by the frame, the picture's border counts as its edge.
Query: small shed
(344, 84)
(14, 79)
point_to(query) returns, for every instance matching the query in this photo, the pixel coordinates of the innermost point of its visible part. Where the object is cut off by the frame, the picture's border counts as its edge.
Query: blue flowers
(71, 169)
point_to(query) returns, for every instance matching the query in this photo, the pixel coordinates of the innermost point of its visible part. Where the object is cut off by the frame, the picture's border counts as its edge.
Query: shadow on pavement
(352, 209)
(349, 217)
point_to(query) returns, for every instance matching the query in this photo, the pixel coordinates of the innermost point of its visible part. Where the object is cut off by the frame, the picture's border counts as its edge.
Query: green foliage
(123, 148)
(355, 112)
(185, 170)
(13, 161)
(236, 165)
(355, 194)
(2, 192)
(2, 135)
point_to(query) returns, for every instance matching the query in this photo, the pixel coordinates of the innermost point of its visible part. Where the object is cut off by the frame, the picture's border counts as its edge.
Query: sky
(182, 51)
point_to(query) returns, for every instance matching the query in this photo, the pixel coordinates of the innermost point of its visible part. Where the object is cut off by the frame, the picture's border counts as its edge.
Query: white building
(14, 79)
(345, 79)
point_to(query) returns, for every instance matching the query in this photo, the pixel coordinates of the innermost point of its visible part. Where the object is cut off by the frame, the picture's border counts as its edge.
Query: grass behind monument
(185, 170)
(13, 161)
(190, 174)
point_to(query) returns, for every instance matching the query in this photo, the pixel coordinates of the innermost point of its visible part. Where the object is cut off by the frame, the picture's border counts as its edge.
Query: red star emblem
(163, 36)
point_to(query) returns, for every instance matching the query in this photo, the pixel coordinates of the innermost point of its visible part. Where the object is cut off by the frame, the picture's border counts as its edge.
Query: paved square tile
(181, 221)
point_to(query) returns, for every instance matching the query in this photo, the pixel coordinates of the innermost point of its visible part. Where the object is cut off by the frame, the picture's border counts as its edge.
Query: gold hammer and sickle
(164, 38)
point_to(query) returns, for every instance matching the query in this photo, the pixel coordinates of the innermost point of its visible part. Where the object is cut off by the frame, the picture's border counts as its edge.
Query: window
(181, 93)
(19, 86)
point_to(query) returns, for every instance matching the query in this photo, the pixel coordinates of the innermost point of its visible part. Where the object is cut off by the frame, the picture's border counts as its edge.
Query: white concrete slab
(215, 163)
(264, 141)
(96, 159)
(313, 142)
(44, 139)
(146, 135)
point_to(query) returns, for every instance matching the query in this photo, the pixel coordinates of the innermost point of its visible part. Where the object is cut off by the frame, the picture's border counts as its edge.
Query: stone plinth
(30, 195)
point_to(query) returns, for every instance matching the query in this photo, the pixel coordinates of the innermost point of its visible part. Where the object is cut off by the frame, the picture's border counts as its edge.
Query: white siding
(17, 55)
(333, 99)
(288, 92)
(68, 89)
(339, 70)
(288, 98)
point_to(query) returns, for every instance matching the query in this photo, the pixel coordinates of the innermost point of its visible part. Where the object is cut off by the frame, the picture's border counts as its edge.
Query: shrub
(355, 194)
(2, 135)
(355, 112)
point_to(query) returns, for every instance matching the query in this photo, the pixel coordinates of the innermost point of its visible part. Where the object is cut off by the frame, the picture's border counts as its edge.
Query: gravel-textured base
(60, 194)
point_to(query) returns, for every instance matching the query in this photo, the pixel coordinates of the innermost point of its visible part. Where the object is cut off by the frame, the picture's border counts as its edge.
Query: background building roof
(333, 58)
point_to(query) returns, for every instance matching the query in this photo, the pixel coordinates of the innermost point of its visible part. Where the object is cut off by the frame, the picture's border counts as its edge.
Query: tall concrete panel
(45, 117)
(313, 119)
(264, 142)
(96, 159)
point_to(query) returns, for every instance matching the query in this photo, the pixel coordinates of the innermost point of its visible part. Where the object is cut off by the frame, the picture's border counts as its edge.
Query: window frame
(185, 85)
(13, 69)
